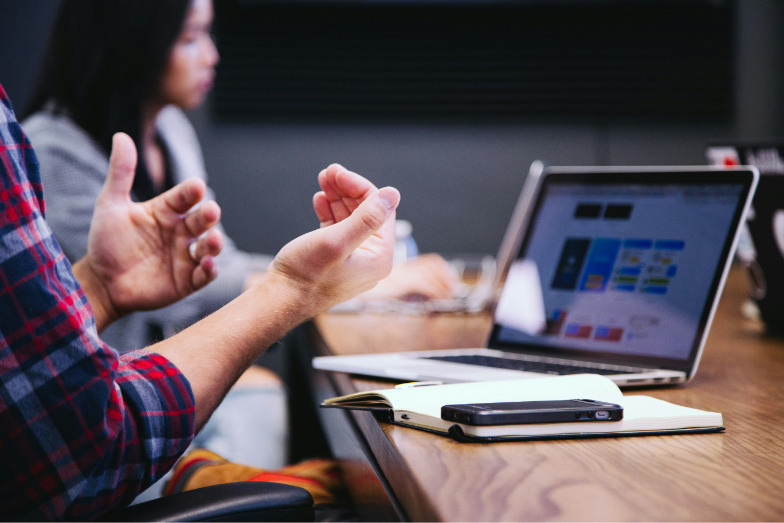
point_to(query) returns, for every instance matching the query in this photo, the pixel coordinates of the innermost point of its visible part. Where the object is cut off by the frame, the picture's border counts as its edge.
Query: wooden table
(399, 473)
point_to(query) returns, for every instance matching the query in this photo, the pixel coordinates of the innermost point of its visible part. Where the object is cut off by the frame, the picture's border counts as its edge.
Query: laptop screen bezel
(638, 176)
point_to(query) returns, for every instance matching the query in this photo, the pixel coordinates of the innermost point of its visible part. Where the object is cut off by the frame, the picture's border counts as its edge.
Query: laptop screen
(627, 269)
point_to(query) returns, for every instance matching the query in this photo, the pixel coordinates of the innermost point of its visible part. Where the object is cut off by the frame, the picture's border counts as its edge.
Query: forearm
(214, 352)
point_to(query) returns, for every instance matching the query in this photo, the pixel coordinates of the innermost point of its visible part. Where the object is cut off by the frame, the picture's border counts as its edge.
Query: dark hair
(104, 60)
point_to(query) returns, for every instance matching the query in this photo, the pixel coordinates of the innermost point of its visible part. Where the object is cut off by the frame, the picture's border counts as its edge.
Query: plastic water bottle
(405, 246)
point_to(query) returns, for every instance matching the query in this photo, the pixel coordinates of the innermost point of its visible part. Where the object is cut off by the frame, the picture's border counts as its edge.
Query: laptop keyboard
(530, 366)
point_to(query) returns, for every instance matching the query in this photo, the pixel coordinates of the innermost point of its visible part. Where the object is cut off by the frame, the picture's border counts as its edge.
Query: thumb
(122, 166)
(366, 220)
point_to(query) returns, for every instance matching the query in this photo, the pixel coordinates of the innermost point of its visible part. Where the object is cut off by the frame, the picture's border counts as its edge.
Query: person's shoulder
(173, 121)
(177, 132)
(63, 148)
(54, 131)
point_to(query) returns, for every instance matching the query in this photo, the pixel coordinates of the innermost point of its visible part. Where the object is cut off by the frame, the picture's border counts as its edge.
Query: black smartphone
(520, 412)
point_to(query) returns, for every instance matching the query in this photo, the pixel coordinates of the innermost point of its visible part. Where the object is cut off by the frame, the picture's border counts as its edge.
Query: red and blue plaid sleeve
(82, 429)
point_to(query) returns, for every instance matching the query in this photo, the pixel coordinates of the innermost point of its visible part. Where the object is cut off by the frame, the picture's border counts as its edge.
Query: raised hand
(140, 255)
(341, 193)
(429, 276)
(353, 249)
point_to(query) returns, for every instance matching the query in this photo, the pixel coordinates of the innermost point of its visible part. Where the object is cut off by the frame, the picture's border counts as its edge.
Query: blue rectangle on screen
(670, 245)
(637, 244)
(630, 271)
(655, 289)
(671, 270)
(625, 288)
(570, 263)
(599, 266)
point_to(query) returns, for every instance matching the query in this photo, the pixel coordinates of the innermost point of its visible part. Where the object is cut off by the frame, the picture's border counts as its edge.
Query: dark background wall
(459, 179)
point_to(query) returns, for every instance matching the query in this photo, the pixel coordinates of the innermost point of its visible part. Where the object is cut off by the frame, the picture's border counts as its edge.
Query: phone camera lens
(578, 415)
(590, 415)
(602, 414)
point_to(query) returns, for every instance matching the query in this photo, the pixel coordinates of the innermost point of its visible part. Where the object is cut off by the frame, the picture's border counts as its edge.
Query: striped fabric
(82, 430)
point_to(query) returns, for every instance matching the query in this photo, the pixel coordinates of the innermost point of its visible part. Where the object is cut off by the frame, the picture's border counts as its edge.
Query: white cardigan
(73, 170)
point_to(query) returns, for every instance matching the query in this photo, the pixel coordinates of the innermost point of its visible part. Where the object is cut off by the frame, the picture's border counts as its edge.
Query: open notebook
(420, 408)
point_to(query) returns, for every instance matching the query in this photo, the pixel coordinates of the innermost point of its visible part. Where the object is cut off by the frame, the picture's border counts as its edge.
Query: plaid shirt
(82, 430)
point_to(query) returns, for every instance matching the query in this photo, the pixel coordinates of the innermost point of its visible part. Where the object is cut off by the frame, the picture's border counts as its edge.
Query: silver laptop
(629, 263)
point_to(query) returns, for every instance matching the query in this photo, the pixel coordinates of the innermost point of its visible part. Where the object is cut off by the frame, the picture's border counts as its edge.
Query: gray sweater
(73, 170)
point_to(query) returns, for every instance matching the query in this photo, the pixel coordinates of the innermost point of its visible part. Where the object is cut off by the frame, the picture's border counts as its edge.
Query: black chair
(246, 501)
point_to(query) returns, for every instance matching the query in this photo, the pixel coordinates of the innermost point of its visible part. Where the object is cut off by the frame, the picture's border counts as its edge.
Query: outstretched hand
(140, 255)
(351, 251)
(429, 276)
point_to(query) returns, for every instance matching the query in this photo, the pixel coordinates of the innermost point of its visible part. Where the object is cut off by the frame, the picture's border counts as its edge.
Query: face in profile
(190, 71)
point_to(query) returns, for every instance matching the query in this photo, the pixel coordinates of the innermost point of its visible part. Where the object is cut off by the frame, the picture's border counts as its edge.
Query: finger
(322, 178)
(368, 219)
(182, 197)
(210, 245)
(205, 272)
(338, 208)
(353, 185)
(355, 188)
(329, 189)
(323, 210)
(340, 184)
(122, 167)
(202, 219)
(344, 189)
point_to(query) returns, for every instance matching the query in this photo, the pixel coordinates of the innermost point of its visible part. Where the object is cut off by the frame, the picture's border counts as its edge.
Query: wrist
(294, 297)
(97, 295)
(252, 279)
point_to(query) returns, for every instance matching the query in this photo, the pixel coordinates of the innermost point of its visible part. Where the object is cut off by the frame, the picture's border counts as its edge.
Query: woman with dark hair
(130, 66)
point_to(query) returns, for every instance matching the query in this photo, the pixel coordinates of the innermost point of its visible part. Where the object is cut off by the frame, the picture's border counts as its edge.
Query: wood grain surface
(736, 475)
